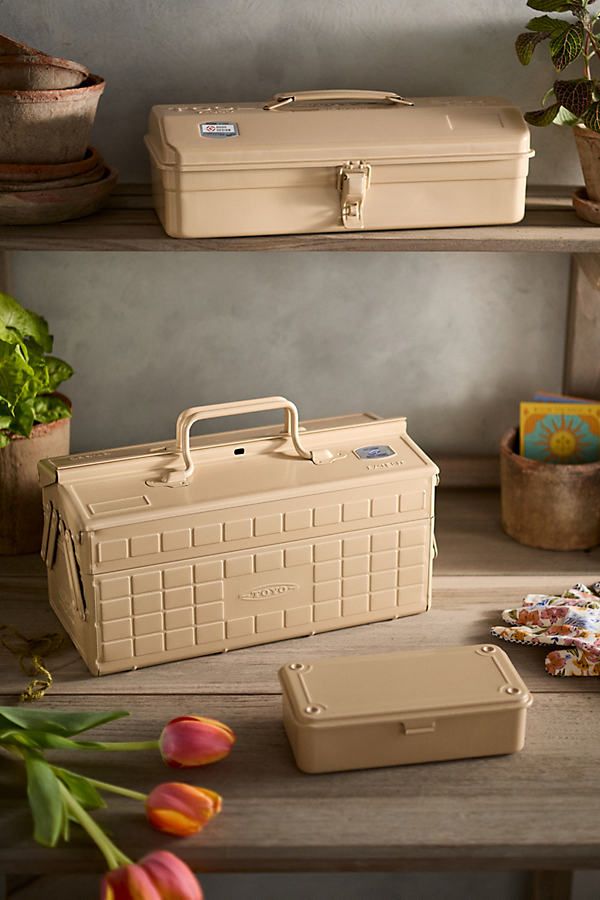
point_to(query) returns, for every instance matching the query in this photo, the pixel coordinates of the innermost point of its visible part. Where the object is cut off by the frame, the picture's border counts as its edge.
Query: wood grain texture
(129, 223)
(5, 281)
(582, 349)
(468, 813)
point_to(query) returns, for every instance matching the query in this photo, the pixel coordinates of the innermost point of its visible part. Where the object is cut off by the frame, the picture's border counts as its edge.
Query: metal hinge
(354, 178)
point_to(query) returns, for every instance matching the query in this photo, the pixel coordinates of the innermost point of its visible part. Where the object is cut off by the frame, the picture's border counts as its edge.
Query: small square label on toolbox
(219, 129)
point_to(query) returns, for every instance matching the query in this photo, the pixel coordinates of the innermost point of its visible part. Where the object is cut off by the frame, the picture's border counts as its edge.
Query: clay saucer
(586, 209)
(49, 171)
(55, 184)
(44, 207)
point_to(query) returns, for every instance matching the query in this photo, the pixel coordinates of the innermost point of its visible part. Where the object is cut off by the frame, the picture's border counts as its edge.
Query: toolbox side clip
(354, 179)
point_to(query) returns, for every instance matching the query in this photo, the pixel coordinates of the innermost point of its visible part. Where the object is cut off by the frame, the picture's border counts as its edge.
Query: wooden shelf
(129, 223)
(353, 821)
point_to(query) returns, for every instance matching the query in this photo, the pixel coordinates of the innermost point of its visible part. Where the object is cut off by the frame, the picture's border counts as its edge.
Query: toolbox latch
(418, 726)
(354, 178)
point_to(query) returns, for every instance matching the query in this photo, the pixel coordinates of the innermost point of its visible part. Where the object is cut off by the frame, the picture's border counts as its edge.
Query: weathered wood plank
(582, 350)
(129, 223)
(460, 615)
(468, 813)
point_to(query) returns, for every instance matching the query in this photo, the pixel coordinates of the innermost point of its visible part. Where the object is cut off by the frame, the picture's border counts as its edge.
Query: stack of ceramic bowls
(48, 172)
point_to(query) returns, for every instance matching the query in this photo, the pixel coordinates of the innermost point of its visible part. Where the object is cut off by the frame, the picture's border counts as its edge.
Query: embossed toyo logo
(266, 591)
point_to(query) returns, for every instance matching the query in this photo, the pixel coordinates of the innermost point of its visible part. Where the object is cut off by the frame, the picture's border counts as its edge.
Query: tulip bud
(181, 809)
(171, 877)
(195, 741)
(128, 883)
(159, 876)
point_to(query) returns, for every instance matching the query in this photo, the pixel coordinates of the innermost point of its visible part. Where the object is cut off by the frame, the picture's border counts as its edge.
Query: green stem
(105, 786)
(113, 856)
(118, 745)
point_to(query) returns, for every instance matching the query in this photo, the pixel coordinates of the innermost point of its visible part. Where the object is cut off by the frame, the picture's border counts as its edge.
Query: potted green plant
(34, 421)
(573, 102)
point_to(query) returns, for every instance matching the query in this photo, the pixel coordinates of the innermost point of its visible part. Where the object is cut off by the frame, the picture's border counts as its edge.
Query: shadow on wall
(193, 51)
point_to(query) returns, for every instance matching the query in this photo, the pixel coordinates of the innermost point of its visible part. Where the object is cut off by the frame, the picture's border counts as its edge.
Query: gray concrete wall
(452, 341)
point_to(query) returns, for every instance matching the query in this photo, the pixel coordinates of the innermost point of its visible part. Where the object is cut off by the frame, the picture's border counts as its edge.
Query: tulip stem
(113, 856)
(115, 789)
(118, 745)
(103, 785)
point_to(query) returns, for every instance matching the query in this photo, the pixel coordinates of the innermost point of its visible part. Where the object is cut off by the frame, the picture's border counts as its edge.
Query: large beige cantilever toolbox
(166, 551)
(323, 161)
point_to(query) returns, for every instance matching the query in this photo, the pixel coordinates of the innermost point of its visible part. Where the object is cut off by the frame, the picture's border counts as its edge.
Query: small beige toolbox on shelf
(397, 708)
(322, 161)
(166, 551)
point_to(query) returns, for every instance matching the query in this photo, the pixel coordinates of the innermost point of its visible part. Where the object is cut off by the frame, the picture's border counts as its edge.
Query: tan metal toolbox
(322, 161)
(166, 551)
(397, 708)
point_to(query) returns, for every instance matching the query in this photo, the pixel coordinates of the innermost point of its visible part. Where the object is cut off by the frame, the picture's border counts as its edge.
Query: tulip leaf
(55, 721)
(81, 788)
(45, 800)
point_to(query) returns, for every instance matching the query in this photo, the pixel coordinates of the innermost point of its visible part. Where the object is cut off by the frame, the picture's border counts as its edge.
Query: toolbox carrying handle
(194, 414)
(285, 98)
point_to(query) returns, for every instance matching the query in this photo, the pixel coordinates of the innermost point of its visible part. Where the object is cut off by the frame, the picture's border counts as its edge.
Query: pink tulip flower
(195, 741)
(181, 809)
(159, 876)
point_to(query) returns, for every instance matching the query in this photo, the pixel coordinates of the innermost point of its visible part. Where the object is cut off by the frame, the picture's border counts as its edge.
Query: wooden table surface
(538, 809)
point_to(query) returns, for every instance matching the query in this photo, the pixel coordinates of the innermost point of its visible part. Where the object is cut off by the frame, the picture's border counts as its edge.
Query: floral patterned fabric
(570, 622)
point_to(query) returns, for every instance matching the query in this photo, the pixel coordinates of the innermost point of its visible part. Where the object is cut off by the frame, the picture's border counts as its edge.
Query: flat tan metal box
(326, 161)
(397, 708)
(166, 551)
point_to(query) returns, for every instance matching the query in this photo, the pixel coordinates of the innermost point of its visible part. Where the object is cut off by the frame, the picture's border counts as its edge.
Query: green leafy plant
(576, 100)
(29, 374)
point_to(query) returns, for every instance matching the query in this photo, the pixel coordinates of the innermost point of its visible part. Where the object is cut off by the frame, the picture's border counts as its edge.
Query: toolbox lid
(118, 487)
(411, 686)
(247, 135)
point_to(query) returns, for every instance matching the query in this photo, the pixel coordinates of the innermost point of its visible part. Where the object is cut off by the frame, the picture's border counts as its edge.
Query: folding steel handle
(285, 98)
(194, 414)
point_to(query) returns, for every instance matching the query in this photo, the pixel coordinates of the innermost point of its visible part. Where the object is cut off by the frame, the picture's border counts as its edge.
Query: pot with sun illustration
(553, 501)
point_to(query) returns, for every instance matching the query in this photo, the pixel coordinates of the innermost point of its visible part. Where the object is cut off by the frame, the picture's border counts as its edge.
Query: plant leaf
(47, 408)
(592, 117)
(575, 95)
(547, 24)
(566, 46)
(82, 789)
(4, 439)
(526, 43)
(56, 721)
(23, 417)
(543, 117)
(58, 371)
(17, 324)
(45, 800)
(564, 117)
(550, 5)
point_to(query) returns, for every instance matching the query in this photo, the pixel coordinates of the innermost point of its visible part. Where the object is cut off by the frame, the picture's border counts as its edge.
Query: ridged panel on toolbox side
(309, 586)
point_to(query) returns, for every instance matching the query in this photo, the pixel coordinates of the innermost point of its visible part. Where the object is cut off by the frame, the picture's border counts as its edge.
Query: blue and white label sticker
(219, 129)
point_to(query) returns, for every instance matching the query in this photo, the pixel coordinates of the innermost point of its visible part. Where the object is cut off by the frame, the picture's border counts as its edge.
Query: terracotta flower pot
(40, 73)
(48, 126)
(20, 494)
(546, 505)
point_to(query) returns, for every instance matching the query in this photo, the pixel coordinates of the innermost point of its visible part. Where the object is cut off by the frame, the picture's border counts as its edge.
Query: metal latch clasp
(354, 179)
